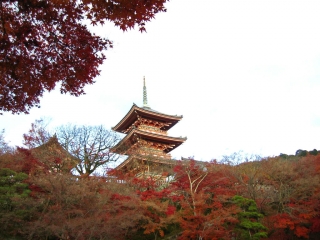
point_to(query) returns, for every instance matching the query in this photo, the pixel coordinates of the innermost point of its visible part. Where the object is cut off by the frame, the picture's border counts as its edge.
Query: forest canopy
(267, 198)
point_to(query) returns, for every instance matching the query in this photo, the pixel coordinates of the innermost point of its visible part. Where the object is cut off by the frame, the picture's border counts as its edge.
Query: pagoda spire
(145, 100)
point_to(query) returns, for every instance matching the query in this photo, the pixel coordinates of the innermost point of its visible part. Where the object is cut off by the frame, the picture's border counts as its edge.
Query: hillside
(274, 198)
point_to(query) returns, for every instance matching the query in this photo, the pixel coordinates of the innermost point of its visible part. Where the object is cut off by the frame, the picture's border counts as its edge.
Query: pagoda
(147, 143)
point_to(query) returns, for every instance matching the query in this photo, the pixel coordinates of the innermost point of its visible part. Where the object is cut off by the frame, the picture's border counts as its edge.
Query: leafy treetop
(43, 43)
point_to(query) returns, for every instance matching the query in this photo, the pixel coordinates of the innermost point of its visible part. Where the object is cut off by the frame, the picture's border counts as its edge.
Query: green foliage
(13, 211)
(249, 226)
(314, 152)
(301, 153)
(11, 186)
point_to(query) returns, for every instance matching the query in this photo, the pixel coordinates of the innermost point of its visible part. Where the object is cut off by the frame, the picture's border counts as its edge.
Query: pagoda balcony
(152, 129)
(154, 154)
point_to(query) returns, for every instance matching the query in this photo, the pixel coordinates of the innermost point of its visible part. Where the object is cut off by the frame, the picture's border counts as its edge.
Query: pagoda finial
(145, 100)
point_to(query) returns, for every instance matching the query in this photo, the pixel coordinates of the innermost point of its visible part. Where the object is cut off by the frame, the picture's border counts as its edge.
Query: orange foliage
(205, 191)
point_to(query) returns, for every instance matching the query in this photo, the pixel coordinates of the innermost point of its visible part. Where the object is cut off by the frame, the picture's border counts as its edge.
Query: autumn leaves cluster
(274, 198)
(47, 44)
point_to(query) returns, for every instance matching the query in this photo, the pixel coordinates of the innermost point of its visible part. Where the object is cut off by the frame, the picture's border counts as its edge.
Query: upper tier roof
(148, 113)
(132, 136)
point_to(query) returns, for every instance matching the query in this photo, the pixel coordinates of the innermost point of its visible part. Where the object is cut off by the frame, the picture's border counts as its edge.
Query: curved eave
(124, 163)
(177, 141)
(133, 113)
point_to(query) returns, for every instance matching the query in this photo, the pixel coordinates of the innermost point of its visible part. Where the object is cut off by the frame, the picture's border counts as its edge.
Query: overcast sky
(244, 75)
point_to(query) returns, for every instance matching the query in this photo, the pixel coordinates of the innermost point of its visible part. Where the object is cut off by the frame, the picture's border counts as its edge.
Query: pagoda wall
(148, 148)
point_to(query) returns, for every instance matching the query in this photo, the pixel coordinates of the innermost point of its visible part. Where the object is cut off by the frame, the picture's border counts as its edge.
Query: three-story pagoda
(147, 142)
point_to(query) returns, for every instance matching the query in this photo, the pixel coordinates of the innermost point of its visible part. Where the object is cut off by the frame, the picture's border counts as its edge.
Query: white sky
(244, 74)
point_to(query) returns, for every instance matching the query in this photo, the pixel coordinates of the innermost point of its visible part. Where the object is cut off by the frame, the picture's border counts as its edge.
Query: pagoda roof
(148, 113)
(52, 149)
(159, 138)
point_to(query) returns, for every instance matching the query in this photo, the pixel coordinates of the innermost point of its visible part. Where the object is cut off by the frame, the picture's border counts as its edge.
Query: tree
(239, 157)
(301, 153)
(251, 183)
(314, 152)
(62, 206)
(13, 191)
(158, 210)
(249, 226)
(44, 43)
(90, 145)
(37, 135)
(4, 147)
(292, 209)
(203, 193)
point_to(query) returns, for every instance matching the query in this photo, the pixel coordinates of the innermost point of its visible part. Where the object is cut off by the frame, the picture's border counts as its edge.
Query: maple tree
(90, 208)
(203, 193)
(286, 191)
(158, 209)
(37, 135)
(45, 43)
